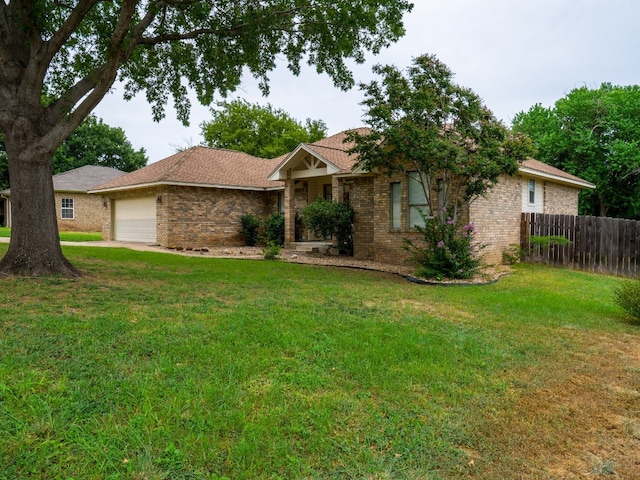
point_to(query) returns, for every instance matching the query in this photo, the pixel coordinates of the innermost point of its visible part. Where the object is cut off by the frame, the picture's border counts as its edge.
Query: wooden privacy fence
(597, 244)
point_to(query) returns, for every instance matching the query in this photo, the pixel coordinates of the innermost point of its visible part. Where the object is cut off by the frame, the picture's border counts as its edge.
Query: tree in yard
(71, 54)
(594, 134)
(96, 143)
(444, 136)
(264, 132)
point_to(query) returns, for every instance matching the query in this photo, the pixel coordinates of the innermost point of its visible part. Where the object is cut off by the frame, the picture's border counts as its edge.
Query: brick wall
(388, 243)
(88, 211)
(192, 217)
(360, 191)
(497, 218)
(560, 199)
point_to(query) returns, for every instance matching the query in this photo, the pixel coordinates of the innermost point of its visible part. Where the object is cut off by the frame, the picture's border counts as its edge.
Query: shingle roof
(85, 178)
(202, 166)
(546, 169)
(334, 149)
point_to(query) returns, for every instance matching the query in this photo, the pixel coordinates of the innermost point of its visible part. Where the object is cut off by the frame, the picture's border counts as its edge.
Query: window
(417, 200)
(280, 202)
(327, 191)
(532, 192)
(395, 197)
(67, 209)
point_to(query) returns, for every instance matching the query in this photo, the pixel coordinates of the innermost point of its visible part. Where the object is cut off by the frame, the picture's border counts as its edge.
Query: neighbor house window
(417, 200)
(532, 192)
(395, 194)
(67, 208)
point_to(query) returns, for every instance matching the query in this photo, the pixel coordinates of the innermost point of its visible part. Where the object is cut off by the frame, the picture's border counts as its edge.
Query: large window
(417, 200)
(67, 209)
(396, 206)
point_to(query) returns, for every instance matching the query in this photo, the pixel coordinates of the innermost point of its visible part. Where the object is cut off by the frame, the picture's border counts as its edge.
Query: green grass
(158, 366)
(65, 236)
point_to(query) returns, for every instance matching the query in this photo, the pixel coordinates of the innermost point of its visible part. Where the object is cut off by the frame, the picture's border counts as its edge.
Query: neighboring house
(193, 199)
(75, 209)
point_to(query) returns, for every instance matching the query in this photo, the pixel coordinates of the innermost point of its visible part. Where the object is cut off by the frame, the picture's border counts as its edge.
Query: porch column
(289, 212)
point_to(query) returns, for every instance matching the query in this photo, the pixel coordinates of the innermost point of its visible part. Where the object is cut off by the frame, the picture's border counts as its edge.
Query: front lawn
(157, 366)
(65, 236)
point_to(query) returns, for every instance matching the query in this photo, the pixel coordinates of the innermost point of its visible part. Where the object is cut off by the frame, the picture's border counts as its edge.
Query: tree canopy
(594, 134)
(72, 52)
(262, 131)
(96, 143)
(445, 139)
(424, 122)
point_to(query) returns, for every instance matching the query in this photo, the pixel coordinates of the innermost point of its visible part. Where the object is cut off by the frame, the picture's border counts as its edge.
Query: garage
(134, 220)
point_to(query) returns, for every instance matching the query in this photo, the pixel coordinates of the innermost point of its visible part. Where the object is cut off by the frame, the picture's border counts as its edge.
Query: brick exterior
(560, 199)
(88, 211)
(196, 217)
(192, 217)
(497, 216)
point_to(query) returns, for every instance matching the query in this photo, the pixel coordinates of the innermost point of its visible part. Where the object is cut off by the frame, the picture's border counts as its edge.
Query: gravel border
(488, 276)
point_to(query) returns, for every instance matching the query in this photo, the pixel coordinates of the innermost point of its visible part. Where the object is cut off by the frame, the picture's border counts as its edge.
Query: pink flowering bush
(447, 250)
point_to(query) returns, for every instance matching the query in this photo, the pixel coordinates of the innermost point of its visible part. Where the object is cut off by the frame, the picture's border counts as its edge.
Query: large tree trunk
(34, 248)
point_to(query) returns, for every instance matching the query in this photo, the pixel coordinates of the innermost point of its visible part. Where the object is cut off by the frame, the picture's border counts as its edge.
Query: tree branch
(59, 38)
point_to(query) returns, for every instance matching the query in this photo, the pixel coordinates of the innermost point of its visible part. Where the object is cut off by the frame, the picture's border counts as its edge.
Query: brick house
(386, 207)
(195, 199)
(76, 210)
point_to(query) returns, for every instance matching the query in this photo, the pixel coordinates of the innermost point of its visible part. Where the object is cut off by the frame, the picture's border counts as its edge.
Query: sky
(512, 53)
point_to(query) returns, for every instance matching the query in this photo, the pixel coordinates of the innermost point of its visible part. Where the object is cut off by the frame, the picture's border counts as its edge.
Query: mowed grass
(64, 236)
(157, 366)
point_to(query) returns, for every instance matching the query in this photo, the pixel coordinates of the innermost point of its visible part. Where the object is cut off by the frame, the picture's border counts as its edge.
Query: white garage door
(135, 220)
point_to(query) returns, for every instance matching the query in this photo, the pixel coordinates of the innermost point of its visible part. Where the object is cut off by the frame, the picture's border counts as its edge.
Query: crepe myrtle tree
(71, 53)
(421, 122)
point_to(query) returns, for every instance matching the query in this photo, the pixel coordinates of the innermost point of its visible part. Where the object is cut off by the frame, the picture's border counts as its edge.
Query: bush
(271, 251)
(449, 251)
(627, 296)
(274, 229)
(328, 219)
(250, 228)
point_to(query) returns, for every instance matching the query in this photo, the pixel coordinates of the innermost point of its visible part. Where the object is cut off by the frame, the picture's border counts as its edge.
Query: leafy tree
(265, 132)
(425, 123)
(594, 134)
(96, 143)
(72, 52)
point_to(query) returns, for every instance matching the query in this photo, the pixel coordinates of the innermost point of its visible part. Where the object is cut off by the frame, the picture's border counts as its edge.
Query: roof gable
(324, 157)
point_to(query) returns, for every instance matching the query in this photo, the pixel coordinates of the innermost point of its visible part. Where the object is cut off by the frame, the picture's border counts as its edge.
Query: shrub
(274, 229)
(513, 254)
(328, 219)
(250, 228)
(627, 296)
(271, 251)
(448, 251)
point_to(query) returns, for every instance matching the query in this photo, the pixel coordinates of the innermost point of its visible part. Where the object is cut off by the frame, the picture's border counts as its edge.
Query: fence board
(597, 244)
